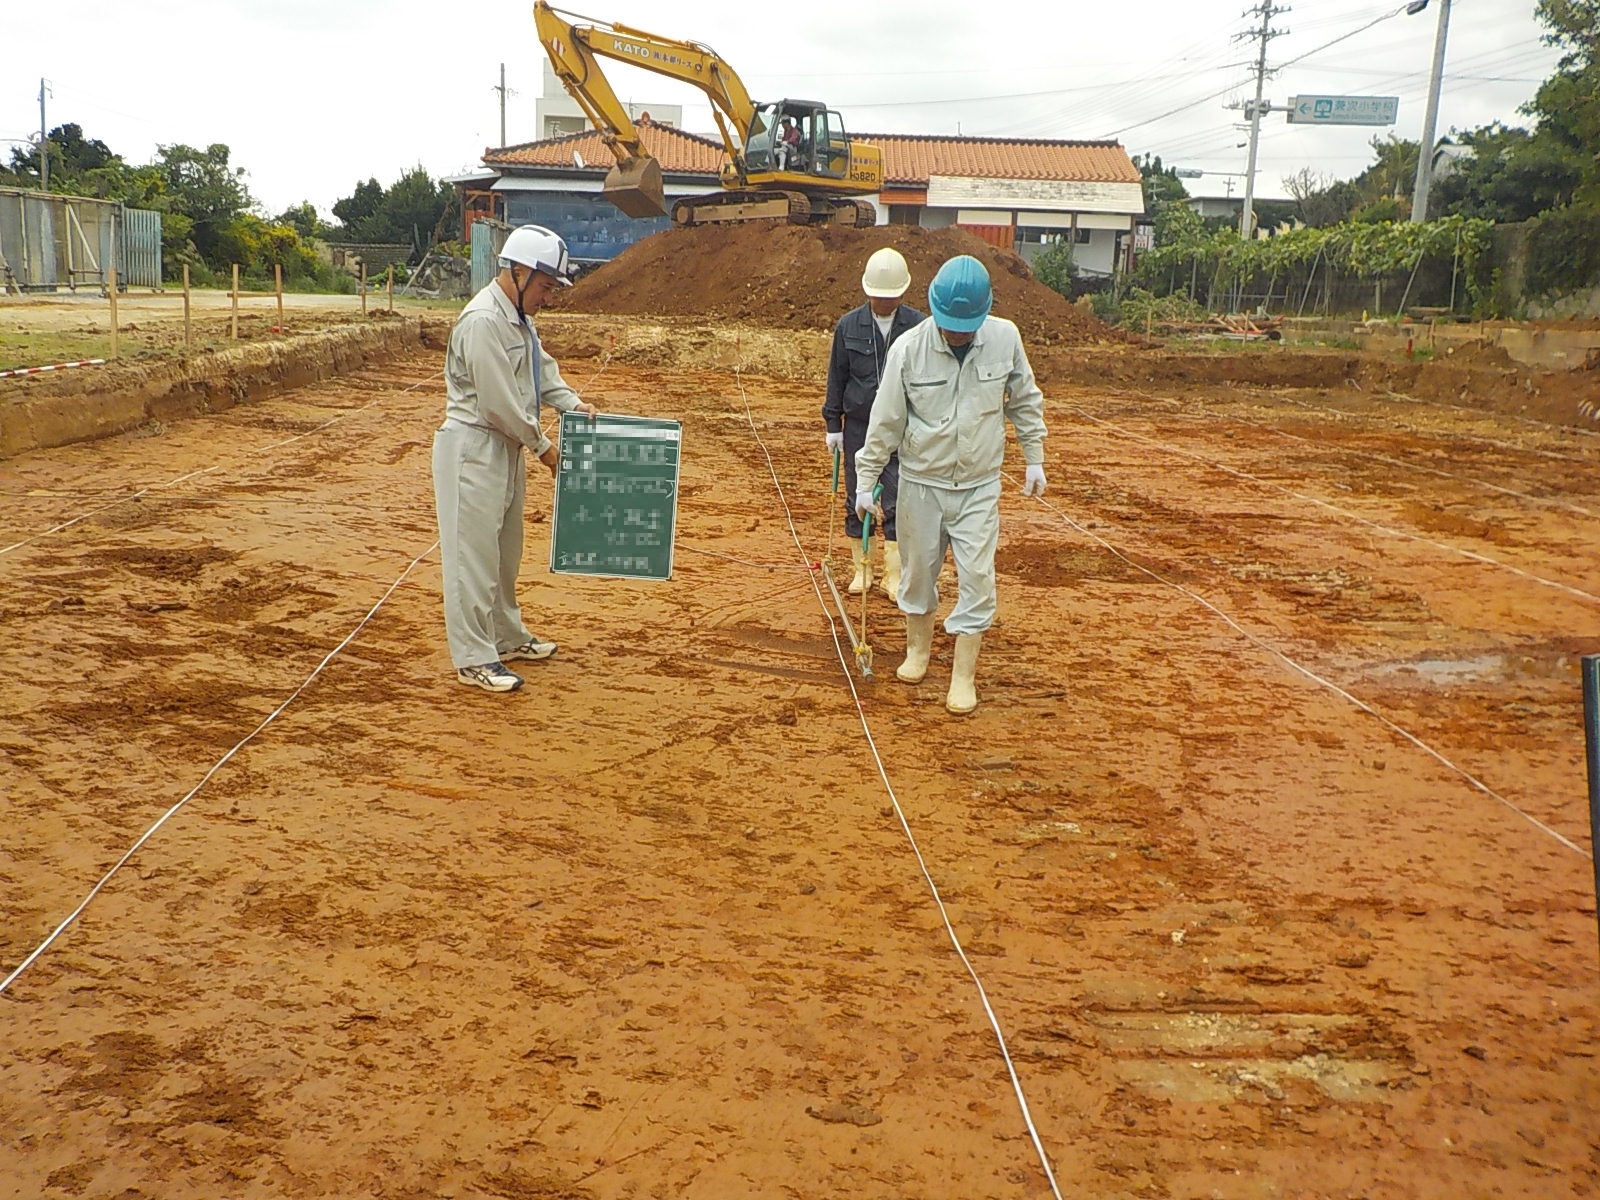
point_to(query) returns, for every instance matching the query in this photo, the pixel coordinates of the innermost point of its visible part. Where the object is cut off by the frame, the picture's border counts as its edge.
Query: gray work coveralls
(854, 370)
(491, 412)
(946, 417)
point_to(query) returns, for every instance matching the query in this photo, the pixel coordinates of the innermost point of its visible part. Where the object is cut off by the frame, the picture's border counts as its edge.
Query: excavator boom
(760, 177)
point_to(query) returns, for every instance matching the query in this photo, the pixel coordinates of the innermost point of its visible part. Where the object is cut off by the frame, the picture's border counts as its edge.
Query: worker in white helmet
(948, 388)
(861, 342)
(497, 379)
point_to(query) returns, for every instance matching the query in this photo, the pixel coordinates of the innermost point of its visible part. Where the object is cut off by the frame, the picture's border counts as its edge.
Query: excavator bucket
(635, 187)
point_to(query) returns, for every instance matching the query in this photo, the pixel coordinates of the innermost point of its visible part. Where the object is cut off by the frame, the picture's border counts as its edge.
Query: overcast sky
(315, 95)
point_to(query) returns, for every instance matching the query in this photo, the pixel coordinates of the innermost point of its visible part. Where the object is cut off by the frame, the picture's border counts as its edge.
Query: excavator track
(771, 204)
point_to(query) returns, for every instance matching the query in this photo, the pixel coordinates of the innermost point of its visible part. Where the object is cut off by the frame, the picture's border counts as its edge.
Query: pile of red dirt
(808, 276)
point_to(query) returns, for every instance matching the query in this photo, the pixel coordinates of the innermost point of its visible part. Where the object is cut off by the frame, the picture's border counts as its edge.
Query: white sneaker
(533, 649)
(491, 677)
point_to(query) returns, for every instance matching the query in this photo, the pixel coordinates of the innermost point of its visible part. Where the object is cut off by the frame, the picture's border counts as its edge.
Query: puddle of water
(1542, 663)
(1445, 672)
(1215, 1081)
(1209, 1033)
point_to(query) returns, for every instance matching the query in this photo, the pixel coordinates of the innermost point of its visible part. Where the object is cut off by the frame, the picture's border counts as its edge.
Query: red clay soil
(1481, 375)
(807, 277)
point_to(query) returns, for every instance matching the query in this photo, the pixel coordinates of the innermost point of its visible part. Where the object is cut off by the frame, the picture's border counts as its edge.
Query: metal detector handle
(866, 521)
(838, 457)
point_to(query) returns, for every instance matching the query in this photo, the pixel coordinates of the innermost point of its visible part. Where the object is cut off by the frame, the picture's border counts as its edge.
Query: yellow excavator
(789, 159)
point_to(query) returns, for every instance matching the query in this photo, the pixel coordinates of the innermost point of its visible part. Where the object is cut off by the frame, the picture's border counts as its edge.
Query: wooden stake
(111, 287)
(277, 283)
(389, 287)
(363, 289)
(233, 327)
(188, 330)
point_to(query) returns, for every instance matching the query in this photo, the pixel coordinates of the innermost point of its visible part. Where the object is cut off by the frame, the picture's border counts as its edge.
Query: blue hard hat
(960, 295)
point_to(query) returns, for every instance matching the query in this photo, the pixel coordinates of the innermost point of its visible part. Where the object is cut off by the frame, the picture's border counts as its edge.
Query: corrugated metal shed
(49, 242)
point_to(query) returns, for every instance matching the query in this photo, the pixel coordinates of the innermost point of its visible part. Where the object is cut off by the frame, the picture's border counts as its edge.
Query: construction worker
(948, 387)
(861, 342)
(497, 379)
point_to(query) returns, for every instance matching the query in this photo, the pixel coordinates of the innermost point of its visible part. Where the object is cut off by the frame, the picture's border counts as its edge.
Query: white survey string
(1551, 501)
(1308, 673)
(1346, 513)
(905, 825)
(204, 779)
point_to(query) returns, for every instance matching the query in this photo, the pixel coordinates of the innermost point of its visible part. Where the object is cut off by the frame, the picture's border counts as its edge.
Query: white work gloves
(1033, 482)
(865, 503)
(836, 441)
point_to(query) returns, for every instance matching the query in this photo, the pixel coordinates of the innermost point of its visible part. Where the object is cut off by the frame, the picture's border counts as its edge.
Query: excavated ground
(654, 926)
(630, 931)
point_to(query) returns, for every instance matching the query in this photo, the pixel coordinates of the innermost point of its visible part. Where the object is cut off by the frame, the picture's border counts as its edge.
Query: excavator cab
(796, 138)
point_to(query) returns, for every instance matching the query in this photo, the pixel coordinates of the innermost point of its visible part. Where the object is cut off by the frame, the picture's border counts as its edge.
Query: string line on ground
(1343, 512)
(894, 800)
(1308, 673)
(73, 916)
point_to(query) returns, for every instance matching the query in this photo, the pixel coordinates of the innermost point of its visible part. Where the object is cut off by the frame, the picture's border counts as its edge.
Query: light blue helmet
(960, 295)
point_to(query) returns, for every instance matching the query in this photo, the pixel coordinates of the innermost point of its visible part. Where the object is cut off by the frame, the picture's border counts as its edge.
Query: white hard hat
(537, 247)
(887, 276)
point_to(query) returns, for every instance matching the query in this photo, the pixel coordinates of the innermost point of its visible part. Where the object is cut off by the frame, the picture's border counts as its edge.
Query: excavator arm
(634, 185)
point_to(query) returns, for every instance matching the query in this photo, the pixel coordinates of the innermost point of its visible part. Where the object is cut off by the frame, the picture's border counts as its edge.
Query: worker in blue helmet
(948, 388)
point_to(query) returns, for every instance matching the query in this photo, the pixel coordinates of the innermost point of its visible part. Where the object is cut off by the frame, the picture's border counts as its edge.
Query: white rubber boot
(963, 697)
(891, 571)
(919, 644)
(862, 579)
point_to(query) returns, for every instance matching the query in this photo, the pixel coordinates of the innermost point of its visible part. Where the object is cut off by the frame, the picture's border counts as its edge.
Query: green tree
(303, 219)
(202, 186)
(1508, 175)
(1392, 175)
(71, 157)
(1161, 184)
(407, 211)
(356, 211)
(1567, 105)
(1053, 267)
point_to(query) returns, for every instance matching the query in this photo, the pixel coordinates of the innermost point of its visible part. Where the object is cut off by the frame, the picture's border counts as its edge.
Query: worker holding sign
(497, 378)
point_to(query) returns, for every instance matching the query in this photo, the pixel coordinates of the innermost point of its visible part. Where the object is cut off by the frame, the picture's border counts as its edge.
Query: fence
(487, 238)
(154, 308)
(49, 242)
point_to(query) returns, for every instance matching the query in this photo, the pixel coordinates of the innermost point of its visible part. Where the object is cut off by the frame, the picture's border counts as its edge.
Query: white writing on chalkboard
(616, 496)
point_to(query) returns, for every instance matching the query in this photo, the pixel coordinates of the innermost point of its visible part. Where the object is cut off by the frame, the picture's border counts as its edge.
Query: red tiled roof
(909, 159)
(677, 152)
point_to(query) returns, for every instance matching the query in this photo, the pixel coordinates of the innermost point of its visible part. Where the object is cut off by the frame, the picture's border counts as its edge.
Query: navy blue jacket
(857, 360)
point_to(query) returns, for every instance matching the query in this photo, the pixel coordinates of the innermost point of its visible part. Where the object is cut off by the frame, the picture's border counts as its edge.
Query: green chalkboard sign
(616, 503)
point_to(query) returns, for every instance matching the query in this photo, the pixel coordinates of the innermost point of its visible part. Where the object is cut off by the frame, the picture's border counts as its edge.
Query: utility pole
(44, 146)
(1419, 197)
(1267, 10)
(503, 91)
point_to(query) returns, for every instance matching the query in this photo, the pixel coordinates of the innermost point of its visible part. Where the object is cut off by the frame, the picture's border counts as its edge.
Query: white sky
(314, 96)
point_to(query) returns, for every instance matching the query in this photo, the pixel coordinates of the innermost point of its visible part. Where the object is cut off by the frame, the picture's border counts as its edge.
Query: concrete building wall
(555, 113)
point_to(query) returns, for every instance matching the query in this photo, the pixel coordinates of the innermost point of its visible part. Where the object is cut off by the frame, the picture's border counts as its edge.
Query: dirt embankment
(807, 277)
(1481, 375)
(41, 411)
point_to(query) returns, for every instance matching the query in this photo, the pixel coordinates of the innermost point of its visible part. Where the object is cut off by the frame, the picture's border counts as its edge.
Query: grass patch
(37, 348)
